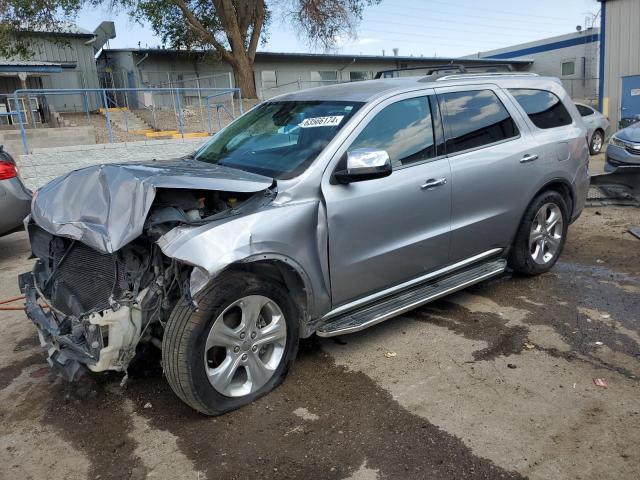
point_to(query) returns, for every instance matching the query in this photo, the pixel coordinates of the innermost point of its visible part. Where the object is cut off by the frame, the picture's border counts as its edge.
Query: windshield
(278, 139)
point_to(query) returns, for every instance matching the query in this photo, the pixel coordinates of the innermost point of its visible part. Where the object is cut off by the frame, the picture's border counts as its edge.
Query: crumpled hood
(630, 134)
(105, 206)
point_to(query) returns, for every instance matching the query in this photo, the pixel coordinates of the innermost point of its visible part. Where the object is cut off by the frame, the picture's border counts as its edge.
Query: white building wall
(582, 85)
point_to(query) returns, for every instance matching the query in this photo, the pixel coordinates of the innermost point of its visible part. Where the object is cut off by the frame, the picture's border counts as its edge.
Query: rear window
(584, 110)
(474, 119)
(544, 108)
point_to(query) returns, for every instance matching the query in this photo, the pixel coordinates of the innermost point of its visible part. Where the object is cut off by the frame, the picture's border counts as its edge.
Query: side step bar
(409, 299)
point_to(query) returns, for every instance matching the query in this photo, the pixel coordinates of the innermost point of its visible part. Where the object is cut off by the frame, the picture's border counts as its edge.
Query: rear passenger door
(493, 159)
(553, 125)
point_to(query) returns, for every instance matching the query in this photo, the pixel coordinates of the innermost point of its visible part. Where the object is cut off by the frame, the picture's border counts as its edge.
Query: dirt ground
(493, 382)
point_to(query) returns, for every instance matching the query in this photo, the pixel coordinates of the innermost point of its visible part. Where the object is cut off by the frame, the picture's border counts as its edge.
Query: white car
(597, 125)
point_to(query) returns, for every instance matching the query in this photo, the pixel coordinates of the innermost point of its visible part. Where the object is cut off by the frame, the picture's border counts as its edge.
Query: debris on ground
(148, 405)
(529, 345)
(511, 365)
(635, 231)
(390, 354)
(598, 344)
(600, 382)
(305, 414)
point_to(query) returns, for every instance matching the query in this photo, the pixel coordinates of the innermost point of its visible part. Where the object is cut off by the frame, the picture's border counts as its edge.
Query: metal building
(620, 59)
(572, 57)
(274, 73)
(63, 59)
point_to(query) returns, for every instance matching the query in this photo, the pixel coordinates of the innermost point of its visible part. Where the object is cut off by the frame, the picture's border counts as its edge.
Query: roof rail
(487, 74)
(431, 69)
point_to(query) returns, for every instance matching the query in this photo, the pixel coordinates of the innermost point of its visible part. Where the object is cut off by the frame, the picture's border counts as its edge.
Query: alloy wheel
(245, 346)
(596, 142)
(546, 232)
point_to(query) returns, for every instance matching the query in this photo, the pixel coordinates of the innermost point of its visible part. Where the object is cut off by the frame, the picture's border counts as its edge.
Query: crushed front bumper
(69, 349)
(98, 341)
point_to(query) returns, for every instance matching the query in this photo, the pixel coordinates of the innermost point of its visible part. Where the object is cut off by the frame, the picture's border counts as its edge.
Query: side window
(475, 118)
(544, 109)
(404, 129)
(584, 110)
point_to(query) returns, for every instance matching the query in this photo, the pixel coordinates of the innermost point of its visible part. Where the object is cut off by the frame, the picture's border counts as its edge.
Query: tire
(535, 257)
(187, 356)
(597, 141)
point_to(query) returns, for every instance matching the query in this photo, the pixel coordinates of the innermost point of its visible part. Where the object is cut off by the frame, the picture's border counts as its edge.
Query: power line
(473, 24)
(449, 29)
(485, 9)
(426, 37)
(449, 14)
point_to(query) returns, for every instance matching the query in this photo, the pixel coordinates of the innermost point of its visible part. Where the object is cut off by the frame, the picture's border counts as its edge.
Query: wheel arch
(563, 187)
(289, 273)
(559, 185)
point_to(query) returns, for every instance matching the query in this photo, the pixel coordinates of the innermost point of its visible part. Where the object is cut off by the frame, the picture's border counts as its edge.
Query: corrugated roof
(29, 66)
(27, 63)
(328, 56)
(65, 28)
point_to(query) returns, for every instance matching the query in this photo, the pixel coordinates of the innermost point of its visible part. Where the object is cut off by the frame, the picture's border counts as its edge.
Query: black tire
(186, 332)
(520, 258)
(593, 146)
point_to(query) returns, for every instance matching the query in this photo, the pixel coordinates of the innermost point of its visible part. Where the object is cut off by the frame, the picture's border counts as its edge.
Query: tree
(232, 29)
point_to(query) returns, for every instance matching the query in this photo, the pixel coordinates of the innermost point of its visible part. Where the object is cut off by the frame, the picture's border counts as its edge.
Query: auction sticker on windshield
(331, 121)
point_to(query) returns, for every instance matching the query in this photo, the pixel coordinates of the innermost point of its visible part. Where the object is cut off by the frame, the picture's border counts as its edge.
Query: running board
(409, 299)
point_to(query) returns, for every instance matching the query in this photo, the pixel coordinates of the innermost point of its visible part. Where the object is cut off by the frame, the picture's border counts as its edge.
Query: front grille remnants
(84, 280)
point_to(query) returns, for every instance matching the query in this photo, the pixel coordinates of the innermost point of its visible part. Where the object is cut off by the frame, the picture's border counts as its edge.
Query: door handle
(433, 182)
(528, 158)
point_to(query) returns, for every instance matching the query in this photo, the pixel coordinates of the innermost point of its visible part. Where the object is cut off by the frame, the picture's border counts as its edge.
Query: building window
(269, 78)
(324, 76)
(357, 76)
(568, 68)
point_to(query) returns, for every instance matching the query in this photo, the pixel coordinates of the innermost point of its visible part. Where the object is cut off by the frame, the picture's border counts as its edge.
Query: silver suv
(324, 211)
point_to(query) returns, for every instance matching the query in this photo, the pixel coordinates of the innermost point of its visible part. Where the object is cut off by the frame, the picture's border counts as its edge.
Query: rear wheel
(541, 235)
(237, 346)
(597, 141)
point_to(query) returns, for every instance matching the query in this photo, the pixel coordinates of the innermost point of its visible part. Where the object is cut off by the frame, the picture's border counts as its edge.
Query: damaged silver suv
(324, 211)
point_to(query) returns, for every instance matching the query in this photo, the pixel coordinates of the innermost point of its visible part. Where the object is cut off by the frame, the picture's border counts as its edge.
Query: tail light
(7, 170)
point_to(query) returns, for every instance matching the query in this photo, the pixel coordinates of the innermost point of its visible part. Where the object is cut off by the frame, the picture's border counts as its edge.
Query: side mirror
(364, 164)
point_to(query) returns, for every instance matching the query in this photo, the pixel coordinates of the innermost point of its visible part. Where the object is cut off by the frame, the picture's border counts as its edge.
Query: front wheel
(541, 235)
(237, 346)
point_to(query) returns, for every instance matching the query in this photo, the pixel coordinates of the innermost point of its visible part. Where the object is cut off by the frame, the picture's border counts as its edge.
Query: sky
(416, 27)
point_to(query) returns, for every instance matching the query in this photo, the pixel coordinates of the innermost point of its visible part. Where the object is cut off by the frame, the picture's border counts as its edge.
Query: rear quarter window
(475, 118)
(584, 111)
(543, 107)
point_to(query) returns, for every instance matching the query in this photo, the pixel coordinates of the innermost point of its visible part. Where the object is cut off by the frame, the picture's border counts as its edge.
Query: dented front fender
(295, 233)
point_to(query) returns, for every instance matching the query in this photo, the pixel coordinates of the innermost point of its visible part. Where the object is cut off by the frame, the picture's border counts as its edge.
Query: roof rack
(430, 69)
(487, 74)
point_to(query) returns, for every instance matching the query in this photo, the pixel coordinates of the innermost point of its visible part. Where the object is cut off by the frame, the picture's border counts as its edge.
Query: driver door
(386, 231)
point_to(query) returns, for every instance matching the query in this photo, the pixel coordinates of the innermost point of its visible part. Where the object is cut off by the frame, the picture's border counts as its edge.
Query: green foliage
(231, 29)
(20, 17)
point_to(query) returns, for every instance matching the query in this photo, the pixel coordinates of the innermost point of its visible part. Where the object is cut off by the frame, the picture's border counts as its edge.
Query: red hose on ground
(14, 309)
(2, 302)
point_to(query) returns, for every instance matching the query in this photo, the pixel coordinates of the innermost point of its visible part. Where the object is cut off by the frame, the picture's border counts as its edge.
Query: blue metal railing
(104, 99)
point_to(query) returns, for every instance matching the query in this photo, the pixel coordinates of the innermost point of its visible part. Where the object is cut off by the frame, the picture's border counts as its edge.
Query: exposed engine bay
(93, 308)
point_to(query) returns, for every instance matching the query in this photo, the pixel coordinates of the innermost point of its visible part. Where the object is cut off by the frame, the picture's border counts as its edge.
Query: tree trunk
(243, 74)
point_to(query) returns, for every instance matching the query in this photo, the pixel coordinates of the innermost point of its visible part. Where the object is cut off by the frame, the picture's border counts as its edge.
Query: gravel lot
(494, 382)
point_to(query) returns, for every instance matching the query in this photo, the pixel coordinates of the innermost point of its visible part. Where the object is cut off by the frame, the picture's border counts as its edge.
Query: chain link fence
(62, 117)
